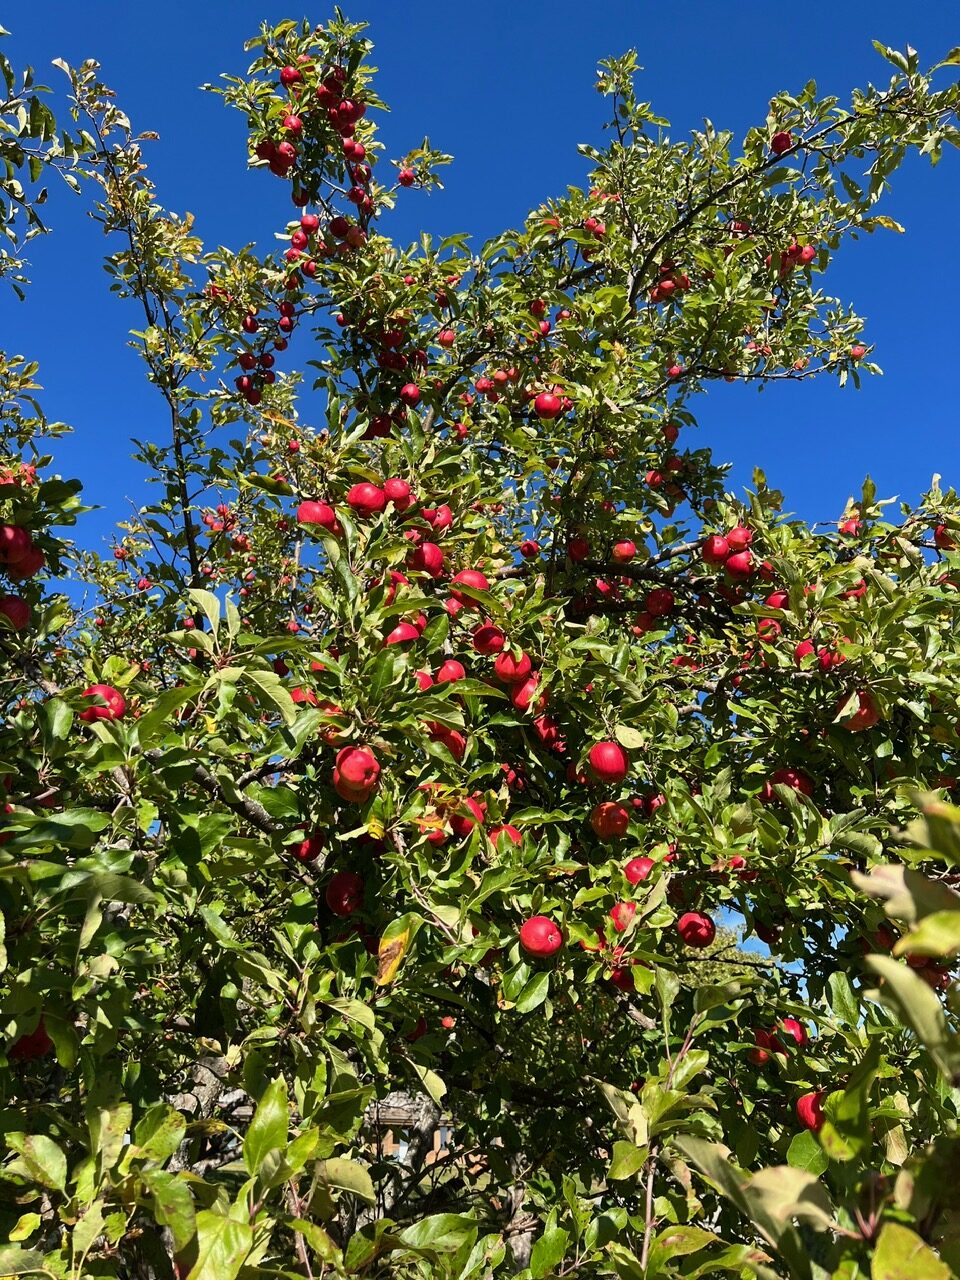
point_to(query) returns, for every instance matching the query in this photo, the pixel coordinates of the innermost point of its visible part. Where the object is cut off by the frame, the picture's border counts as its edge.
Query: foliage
(279, 807)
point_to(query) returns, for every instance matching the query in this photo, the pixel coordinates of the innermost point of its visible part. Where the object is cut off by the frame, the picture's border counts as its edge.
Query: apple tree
(443, 734)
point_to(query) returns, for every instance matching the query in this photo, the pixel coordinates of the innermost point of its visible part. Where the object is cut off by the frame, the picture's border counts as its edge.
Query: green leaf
(346, 1175)
(936, 935)
(41, 1156)
(108, 1129)
(918, 1008)
(274, 691)
(907, 895)
(172, 1204)
(208, 604)
(901, 1255)
(628, 1160)
(805, 1152)
(222, 1249)
(15, 1261)
(629, 738)
(843, 1002)
(534, 993)
(548, 1251)
(159, 1132)
(58, 716)
(269, 1126)
(441, 1232)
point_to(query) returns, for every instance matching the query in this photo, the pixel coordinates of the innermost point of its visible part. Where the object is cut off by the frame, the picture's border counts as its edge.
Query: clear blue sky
(507, 87)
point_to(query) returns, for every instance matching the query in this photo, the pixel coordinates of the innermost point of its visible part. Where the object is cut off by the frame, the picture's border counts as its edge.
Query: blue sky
(508, 89)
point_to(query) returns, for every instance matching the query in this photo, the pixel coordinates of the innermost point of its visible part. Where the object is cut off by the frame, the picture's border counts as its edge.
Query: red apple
(344, 893)
(608, 762)
(450, 671)
(488, 639)
(317, 513)
(512, 834)
(16, 611)
(539, 936)
(35, 1044)
(781, 142)
(109, 703)
(471, 578)
(696, 929)
(427, 558)
(786, 777)
(715, 549)
(865, 716)
(810, 1110)
(403, 633)
(511, 669)
(638, 869)
(366, 499)
(621, 915)
(609, 820)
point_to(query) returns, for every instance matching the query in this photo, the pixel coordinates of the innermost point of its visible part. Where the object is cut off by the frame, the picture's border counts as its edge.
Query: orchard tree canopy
(437, 752)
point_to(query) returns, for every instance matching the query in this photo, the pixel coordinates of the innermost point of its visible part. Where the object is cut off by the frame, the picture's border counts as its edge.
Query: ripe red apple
(511, 669)
(715, 549)
(310, 848)
(547, 405)
(406, 177)
(357, 770)
(609, 820)
(623, 552)
(399, 493)
(462, 824)
(471, 578)
(696, 929)
(659, 602)
(786, 777)
(410, 394)
(857, 352)
(638, 869)
(366, 499)
(439, 518)
(511, 832)
(446, 338)
(608, 762)
(795, 1030)
(317, 513)
(403, 633)
(810, 1110)
(35, 1044)
(866, 715)
(764, 1042)
(16, 612)
(15, 543)
(488, 639)
(344, 893)
(942, 539)
(539, 936)
(739, 538)
(781, 142)
(529, 549)
(427, 558)
(578, 549)
(740, 564)
(621, 915)
(450, 671)
(523, 693)
(109, 703)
